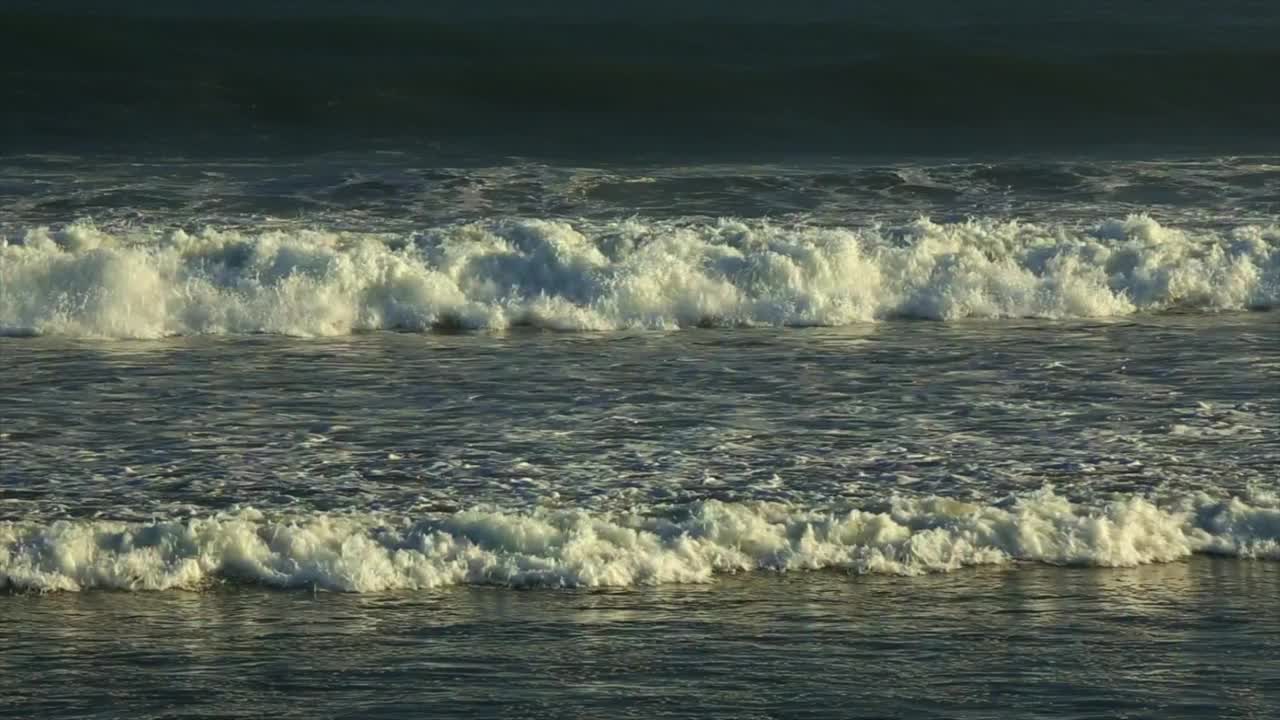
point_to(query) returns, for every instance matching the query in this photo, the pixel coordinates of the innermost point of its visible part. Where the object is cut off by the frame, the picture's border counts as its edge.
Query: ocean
(400, 359)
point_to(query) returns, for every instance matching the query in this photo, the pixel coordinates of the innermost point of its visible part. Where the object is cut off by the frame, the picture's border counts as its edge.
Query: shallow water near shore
(1183, 640)
(393, 461)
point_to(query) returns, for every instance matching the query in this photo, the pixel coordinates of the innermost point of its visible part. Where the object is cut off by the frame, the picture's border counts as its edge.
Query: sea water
(576, 361)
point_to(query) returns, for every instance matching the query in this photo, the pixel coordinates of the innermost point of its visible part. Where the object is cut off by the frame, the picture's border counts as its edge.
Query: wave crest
(85, 282)
(367, 553)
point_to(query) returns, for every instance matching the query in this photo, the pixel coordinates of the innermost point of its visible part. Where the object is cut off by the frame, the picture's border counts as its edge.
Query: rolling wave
(574, 548)
(80, 281)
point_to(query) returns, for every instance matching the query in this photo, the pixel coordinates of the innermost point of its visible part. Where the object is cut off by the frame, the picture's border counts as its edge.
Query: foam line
(83, 282)
(370, 553)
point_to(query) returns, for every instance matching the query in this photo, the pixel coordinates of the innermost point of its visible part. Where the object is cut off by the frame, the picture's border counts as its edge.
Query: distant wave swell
(575, 548)
(80, 281)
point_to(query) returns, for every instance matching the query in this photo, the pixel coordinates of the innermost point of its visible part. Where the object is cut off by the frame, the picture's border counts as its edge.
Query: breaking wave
(575, 548)
(81, 281)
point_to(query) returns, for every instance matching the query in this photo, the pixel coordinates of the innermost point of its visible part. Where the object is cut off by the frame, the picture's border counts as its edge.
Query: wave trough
(574, 548)
(81, 281)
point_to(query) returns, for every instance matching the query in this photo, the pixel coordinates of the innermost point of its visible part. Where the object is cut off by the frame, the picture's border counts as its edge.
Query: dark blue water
(701, 78)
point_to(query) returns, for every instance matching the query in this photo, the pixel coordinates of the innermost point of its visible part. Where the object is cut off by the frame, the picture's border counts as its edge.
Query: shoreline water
(981, 643)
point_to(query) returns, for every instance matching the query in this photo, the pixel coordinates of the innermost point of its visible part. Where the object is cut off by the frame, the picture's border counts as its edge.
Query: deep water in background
(667, 79)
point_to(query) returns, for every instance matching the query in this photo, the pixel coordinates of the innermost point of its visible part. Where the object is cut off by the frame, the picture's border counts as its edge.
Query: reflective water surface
(823, 418)
(1191, 639)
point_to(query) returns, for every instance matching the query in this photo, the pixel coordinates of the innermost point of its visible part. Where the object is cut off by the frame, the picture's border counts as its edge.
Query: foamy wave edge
(576, 548)
(81, 281)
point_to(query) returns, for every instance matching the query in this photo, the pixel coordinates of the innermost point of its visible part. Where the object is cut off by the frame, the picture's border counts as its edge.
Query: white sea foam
(368, 553)
(81, 281)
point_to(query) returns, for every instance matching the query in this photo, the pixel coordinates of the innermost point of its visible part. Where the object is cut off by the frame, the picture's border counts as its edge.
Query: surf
(375, 552)
(565, 275)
